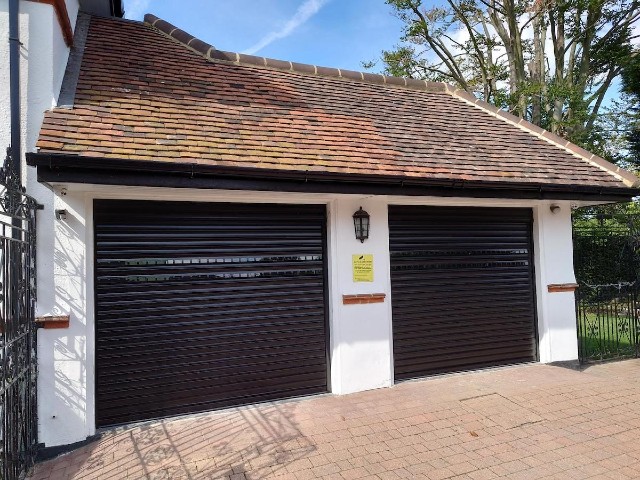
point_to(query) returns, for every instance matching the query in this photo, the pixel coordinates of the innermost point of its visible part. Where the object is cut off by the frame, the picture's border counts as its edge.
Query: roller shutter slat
(462, 288)
(204, 306)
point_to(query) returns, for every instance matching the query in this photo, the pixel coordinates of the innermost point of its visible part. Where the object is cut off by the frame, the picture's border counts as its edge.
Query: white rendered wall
(62, 376)
(64, 360)
(43, 61)
(554, 265)
(360, 335)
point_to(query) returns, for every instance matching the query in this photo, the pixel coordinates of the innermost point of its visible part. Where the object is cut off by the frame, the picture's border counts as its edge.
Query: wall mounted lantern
(554, 208)
(361, 224)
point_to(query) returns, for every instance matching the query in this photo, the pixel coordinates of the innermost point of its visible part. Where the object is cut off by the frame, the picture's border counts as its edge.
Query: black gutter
(14, 85)
(113, 171)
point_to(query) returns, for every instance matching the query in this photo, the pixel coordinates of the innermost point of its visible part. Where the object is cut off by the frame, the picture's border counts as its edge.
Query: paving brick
(354, 473)
(281, 440)
(440, 474)
(328, 469)
(388, 475)
(375, 468)
(462, 468)
(305, 474)
(482, 474)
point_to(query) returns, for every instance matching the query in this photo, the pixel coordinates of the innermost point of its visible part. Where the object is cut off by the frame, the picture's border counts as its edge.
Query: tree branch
(474, 42)
(493, 6)
(441, 50)
(601, 92)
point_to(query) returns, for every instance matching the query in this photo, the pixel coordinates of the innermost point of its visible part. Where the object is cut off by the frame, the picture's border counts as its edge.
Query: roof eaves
(625, 176)
(61, 162)
(211, 53)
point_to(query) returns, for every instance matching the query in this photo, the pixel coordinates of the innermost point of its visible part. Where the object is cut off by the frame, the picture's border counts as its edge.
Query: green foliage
(616, 216)
(606, 242)
(631, 88)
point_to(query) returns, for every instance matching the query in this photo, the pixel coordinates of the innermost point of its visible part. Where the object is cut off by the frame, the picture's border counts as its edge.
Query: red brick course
(562, 287)
(53, 321)
(363, 298)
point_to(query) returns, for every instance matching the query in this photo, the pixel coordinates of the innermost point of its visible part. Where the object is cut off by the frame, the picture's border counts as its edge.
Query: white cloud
(135, 9)
(305, 11)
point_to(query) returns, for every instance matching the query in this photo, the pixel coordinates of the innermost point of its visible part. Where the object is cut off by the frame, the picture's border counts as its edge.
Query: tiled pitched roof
(143, 94)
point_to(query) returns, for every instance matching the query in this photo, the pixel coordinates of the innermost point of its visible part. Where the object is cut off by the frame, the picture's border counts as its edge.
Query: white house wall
(554, 265)
(65, 360)
(43, 59)
(360, 335)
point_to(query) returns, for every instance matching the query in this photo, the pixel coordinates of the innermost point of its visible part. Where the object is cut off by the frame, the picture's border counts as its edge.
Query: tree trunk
(509, 32)
(557, 24)
(537, 68)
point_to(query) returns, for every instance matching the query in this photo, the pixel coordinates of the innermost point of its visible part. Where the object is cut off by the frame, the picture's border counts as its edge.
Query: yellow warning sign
(362, 268)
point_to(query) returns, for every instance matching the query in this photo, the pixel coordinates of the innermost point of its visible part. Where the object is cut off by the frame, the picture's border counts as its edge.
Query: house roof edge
(209, 52)
(628, 178)
(62, 162)
(66, 98)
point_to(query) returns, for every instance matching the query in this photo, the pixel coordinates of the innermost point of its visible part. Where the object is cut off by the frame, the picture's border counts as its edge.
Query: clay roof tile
(160, 94)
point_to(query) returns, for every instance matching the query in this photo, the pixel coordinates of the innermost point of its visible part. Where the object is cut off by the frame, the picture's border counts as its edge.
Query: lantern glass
(361, 224)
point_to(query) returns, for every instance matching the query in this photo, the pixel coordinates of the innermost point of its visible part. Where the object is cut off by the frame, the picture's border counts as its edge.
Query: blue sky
(335, 33)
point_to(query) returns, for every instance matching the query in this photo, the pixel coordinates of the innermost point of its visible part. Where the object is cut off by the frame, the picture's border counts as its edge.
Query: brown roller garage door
(462, 289)
(202, 306)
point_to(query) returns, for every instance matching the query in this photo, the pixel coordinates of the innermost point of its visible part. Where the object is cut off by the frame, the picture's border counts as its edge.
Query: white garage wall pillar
(65, 401)
(553, 247)
(361, 340)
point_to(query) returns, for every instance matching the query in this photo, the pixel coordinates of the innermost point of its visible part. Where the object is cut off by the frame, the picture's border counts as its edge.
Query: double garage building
(207, 255)
(209, 305)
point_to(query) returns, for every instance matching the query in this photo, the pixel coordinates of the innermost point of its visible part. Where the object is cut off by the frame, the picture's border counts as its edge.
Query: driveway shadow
(262, 439)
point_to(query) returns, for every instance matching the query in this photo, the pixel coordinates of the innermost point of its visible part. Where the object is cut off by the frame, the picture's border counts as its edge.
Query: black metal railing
(608, 321)
(18, 431)
(607, 267)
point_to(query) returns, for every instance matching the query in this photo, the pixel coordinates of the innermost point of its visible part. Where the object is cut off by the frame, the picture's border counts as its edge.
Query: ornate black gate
(18, 431)
(607, 266)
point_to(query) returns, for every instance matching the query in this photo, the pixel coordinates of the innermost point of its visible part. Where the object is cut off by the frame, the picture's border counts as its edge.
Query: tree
(631, 88)
(549, 61)
(616, 132)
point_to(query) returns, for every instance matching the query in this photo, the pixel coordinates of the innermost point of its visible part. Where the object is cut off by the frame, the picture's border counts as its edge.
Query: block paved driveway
(526, 422)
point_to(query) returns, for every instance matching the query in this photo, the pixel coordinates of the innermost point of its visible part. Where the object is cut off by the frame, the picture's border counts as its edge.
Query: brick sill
(562, 287)
(51, 321)
(363, 298)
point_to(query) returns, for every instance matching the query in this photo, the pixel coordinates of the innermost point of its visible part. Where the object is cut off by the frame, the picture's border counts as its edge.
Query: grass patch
(604, 335)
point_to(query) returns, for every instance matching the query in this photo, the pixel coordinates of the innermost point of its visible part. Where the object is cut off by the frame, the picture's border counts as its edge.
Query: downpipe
(14, 86)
